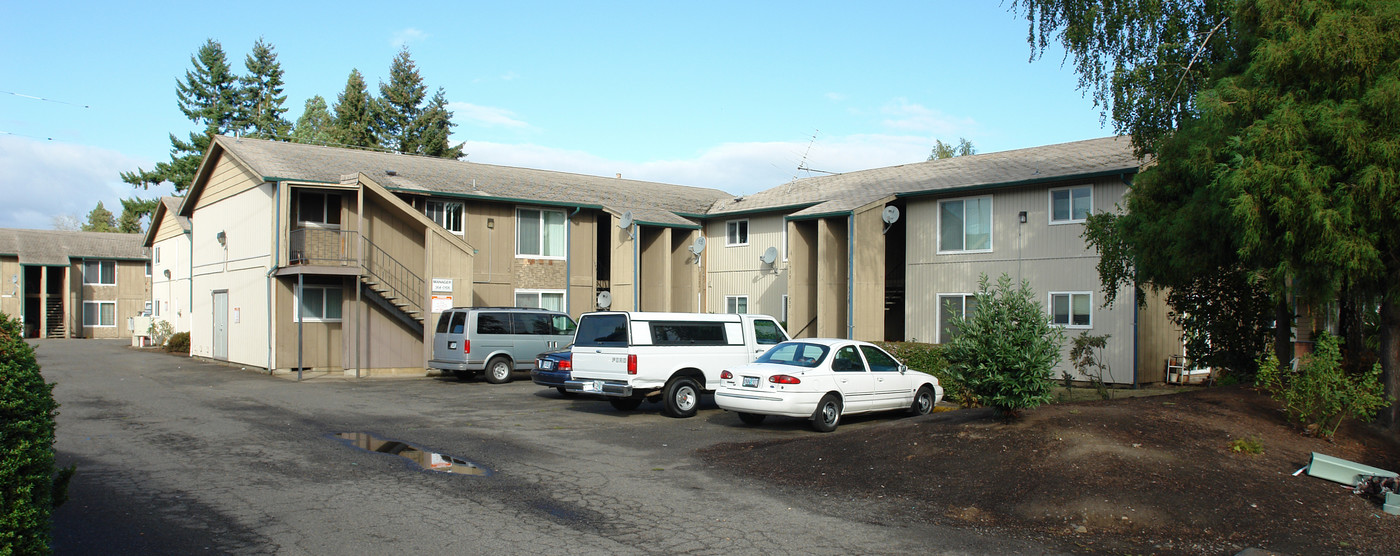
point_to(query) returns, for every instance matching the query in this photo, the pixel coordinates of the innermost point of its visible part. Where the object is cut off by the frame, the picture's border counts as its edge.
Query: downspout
(276, 256)
(636, 271)
(1136, 312)
(850, 275)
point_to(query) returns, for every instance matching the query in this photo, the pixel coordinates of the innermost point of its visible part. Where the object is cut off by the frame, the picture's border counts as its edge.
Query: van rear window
(602, 331)
(688, 334)
(492, 323)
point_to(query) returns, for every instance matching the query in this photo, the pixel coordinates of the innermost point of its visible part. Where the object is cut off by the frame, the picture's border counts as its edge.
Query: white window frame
(733, 308)
(1071, 295)
(938, 312)
(321, 291)
(539, 298)
(99, 305)
(88, 277)
(785, 308)
(732, 241)
(444, 213)
(1050, 200)
(562, 229)
(148, 269)
(991, 228)
(157, 254)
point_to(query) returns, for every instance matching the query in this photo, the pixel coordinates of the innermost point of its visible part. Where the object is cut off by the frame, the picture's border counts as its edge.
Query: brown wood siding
(495, 257)
(583, 263)
(1158, 337)
(321, 344)
(869, 271)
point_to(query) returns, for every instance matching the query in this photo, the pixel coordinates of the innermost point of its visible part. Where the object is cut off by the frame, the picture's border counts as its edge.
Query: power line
(23, 135)
(46, 99)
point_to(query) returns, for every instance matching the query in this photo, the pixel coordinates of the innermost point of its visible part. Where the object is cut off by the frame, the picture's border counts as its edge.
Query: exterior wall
(240, 205)
(739, 271)
(868, 303)
(1053, 258)
(802, 282)
(1158, 337)
(320, 343)
(656, 271)
(490, 227)
(685, 273)
(583, 263)
(832, 277)
(170, 292)
(11, 287)
(623, 273)
(130, 293)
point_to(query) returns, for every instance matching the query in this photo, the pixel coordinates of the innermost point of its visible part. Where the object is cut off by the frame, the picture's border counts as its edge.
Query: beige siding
(685, 275)
(1158, 337)
(11, 280)
(802, 280)
(168, 227)
(868, 304)
(226, 180)
(490, 227)
(737, 270)
(130, 294)
(583, 263)
(319, 343)
(832, 277)
(622, 244)
(240, 267)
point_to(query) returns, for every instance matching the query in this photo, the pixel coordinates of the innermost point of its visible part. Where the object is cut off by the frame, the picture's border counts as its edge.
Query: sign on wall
(441, 303)
(442, 285)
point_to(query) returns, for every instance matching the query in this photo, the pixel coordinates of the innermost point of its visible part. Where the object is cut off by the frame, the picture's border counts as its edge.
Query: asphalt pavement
(179, 456)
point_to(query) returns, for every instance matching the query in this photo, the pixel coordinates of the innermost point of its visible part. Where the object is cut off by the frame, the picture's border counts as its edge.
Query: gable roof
(169, 207)
(846, 192)
(58, 248)
(650, 202)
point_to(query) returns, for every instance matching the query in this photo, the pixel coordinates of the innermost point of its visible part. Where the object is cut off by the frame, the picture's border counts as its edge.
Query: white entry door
(221, 325)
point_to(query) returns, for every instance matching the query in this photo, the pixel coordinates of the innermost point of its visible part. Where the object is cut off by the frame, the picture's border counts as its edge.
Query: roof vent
(391, 173)
(739, 199)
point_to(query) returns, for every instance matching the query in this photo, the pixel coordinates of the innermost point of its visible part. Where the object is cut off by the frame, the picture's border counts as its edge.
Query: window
(847, 361)
(540, 299)
(1071, 204)
(965, 225)
(319, 303)
(539, 233)
(951, 309)
(795, 353)
(100, 273)
(880, 361)
(767, 333)
(156, 308)
(736, 304)
(157, 251)
(315, 207)
(670, 333)
(1071, 309)
(99, 313)
(446, 214)
(736, 232)
(785, 308)
(148, 270)
(493, 323)
(602, 331)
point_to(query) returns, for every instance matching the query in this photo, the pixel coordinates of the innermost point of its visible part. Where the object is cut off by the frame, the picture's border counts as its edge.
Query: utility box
(1342, 471)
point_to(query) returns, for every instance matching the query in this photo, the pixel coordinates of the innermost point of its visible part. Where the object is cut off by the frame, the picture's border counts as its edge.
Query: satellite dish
(604, 300)
(769, 255)
(698, 245)
(625, 221)
(891, 214)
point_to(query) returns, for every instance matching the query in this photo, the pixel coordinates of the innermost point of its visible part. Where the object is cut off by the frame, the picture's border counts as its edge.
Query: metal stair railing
(400, 284)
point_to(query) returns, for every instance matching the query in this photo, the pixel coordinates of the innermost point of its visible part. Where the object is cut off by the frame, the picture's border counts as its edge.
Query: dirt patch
(1140, 475)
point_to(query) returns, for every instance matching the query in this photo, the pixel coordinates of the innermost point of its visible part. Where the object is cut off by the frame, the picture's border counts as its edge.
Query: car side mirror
(903, 368)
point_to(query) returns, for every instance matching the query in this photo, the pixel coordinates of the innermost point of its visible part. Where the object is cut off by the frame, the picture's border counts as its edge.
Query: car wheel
(498, 370)
(828, 414)
(923, 401)
(564, 392)
(625, 404)
(682, 397)
(752, 418)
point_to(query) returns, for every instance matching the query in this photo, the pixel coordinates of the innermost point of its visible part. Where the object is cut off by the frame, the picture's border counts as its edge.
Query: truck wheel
(923, 401)
(828, 414)
(752, 418)
(498, 370)
(625, 404)
(682, 396)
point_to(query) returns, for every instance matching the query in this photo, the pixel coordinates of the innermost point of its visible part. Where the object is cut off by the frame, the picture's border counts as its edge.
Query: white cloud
(835, 97)
(489, 116)
(407, 36)
(906, 116)
(43, 179)
(738, 168)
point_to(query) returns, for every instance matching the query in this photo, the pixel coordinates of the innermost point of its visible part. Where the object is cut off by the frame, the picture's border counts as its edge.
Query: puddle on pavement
(431, 461)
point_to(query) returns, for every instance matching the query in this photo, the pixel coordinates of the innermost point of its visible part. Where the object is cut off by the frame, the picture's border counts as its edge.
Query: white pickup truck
(669, 357)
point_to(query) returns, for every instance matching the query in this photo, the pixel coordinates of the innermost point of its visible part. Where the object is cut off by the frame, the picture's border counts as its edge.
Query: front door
(221, 325)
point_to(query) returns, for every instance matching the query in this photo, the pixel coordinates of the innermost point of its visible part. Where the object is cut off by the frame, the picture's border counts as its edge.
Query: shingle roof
(650, 202)
(53, 247)
(845, 192)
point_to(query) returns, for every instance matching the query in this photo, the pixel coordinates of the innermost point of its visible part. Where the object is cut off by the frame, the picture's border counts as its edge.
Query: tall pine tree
(208, 95)
(100, 220)
(315, 126)
(133, 210)
(436, 126)
(400, 104)
(260, 98)
(354, 124)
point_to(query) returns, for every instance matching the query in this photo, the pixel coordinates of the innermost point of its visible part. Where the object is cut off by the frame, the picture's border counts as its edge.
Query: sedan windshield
(799, 354)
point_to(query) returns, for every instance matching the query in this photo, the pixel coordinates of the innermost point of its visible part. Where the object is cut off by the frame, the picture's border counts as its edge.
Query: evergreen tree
(133, 210)
(100, 220)
(260, 100)
(943, 150)
(436, 126)
(315, 126)
(209, 96)
(354, 124)
(400, 104)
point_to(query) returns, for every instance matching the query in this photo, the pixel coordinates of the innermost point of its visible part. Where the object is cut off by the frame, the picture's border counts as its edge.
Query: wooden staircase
(53, 317)
(391, 285)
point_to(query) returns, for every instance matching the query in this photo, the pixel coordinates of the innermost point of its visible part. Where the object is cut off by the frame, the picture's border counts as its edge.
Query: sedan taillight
(784, 379)
(726, 375)
(565, 365)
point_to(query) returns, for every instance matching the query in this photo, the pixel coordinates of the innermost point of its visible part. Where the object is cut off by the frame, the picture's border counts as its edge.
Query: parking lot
(177, 456)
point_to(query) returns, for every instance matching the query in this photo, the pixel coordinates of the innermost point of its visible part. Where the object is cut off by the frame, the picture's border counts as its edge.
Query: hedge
(28, 489)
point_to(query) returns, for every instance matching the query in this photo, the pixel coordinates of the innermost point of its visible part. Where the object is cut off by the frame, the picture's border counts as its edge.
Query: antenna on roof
(802, 164)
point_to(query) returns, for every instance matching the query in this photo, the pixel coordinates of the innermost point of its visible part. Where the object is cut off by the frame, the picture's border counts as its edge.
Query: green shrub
(1248, 445)
(160, 331)
(1005, 351)
(1319, 395)
(179, 342)
(1086, 354)
(928, 358)
(29, 490)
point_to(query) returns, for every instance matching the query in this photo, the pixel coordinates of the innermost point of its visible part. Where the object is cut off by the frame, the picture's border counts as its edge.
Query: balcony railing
(322, 247)
(382, 272)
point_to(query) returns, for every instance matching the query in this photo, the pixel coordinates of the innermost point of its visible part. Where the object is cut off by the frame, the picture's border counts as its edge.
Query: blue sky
(728, 95)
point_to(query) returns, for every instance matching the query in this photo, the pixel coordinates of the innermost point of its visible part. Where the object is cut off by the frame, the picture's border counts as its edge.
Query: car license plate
(546, 365)
(595, 386)
(750, 382)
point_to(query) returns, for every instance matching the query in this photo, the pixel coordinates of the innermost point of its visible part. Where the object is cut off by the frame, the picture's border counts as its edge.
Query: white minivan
(668, 357)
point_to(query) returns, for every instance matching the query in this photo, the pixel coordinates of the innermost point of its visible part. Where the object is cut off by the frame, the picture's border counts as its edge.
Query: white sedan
(822, 379)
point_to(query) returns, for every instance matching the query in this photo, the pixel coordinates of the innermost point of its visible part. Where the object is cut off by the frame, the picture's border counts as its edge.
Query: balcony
(322, 247)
